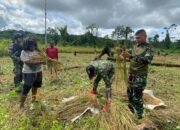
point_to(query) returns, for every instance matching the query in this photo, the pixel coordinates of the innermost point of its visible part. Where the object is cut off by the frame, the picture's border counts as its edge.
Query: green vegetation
(44, 114)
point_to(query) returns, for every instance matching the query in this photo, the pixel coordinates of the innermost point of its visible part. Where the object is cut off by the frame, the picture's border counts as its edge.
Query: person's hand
(119, 50)
(50, 60)
(91, 81)
(126, 54)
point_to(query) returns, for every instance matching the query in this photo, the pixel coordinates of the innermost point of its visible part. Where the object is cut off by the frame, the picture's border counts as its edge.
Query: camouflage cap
(90, 71)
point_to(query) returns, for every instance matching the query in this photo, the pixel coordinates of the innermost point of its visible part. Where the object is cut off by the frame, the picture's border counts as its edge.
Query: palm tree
(172, 27)
(156, 38)
(64, 34)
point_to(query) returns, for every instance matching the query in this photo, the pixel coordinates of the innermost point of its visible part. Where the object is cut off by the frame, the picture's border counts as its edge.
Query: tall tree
(121, 32)
(167, 40)
(156, 38)
(106, 37)
(93, 33)
(93, 29)
(54, 33)
(64, 34)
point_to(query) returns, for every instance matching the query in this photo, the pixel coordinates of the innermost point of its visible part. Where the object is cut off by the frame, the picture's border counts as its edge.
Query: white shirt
(26, 56)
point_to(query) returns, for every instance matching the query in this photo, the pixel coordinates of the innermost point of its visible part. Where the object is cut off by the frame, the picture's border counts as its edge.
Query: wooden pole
(45, 9)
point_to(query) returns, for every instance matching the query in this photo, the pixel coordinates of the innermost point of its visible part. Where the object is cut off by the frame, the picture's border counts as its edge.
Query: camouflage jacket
(141, 56)
(15, 52)
(105, 70)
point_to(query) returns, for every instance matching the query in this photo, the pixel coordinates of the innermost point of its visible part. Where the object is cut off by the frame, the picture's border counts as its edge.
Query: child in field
(52, 53)
(32, 72)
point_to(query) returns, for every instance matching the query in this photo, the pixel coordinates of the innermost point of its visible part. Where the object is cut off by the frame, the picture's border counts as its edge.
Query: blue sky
(151, 15)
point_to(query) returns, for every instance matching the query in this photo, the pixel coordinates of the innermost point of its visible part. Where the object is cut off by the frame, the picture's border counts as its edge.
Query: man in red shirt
(52, 53)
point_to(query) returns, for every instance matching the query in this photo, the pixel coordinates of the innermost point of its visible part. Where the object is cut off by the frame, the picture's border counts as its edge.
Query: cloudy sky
(153, 15)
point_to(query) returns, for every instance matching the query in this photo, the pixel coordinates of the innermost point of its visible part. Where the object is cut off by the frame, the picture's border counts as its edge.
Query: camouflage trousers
(136, 85)
(108, 79)
(18, 76)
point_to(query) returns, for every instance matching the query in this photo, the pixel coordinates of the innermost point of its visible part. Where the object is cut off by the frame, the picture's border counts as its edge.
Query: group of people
(26, 69)
(30, 71)
(140, 56)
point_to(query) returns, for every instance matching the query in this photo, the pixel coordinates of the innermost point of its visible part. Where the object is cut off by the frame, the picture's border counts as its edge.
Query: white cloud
(77, 14)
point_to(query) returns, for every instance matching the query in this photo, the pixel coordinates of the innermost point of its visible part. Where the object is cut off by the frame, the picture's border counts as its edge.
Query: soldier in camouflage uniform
(101, 69)
(140, 57)
(15, 51)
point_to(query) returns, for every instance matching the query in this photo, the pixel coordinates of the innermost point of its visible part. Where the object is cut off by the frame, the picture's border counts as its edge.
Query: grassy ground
(165, 82)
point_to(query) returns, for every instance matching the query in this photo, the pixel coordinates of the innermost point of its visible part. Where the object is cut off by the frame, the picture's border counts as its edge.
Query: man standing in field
(140, 57)
(15, 51)
(101, 69)
(52, 53)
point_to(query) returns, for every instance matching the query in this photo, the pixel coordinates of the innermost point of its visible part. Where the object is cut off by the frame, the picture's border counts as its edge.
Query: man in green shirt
(140, 57)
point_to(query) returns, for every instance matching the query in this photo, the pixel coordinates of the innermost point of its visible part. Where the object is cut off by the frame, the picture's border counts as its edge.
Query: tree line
(121, 36)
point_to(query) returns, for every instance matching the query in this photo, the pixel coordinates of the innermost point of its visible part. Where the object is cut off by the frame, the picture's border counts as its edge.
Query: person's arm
(13, 52)
(112, 74)
(14, 57)
(147, 58)
(46, 50)
(57, 52)
(32, 62)
(95, 82)
(26, 59)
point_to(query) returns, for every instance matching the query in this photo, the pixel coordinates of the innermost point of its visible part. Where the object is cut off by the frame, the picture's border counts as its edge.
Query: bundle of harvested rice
(57, 65)
(74, 107)
(118, 118)
(39, 57)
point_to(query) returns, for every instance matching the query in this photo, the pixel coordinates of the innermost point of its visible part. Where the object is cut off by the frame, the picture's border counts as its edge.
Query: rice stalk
(121, 74)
